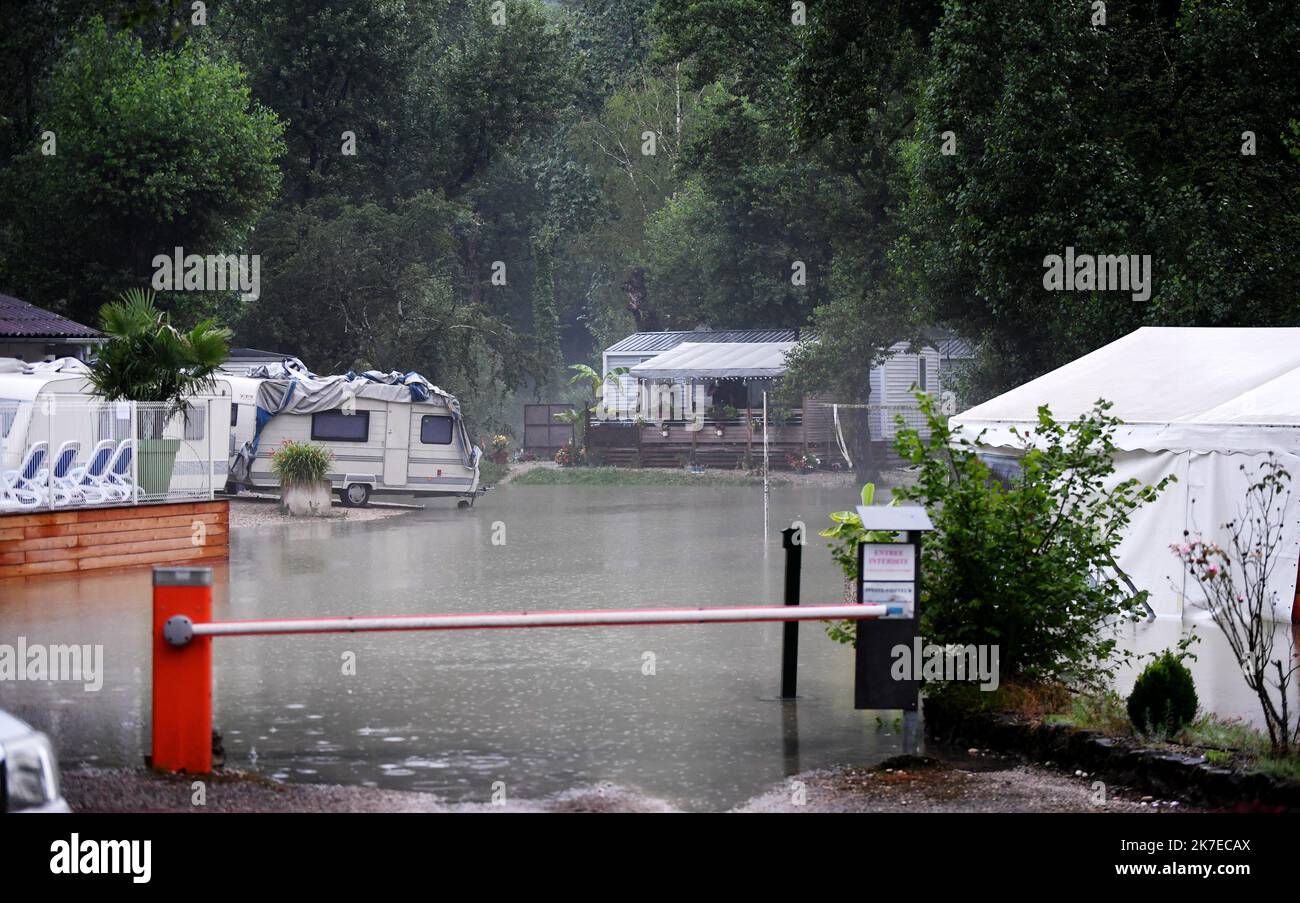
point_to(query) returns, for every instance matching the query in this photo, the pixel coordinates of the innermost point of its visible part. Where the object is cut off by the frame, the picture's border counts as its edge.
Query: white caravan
(388, 433)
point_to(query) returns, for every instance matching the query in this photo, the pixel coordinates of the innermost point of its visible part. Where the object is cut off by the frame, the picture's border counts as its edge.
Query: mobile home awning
(717, 360)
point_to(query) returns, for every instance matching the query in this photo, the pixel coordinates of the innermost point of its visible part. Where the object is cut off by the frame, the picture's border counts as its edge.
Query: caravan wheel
(356, 495)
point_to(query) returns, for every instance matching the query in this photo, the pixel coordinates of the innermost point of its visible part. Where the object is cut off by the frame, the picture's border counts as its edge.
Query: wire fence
(58, 452)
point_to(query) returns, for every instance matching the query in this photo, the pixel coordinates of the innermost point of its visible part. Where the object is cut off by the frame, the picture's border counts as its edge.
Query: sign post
(889, 573)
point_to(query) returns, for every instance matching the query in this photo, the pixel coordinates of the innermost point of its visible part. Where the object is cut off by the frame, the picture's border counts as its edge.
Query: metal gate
(543, 434)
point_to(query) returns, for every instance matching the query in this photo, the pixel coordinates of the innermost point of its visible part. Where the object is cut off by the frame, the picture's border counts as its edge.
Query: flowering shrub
(1234, 580)
(807, 461)
(568, 456)
(500, 443)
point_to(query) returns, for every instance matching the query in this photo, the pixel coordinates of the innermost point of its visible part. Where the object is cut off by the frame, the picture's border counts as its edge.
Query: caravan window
(194, 419)
(339, 426)
(435, 429)
(8, 413)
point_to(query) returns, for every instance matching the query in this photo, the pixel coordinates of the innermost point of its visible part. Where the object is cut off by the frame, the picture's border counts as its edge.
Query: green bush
(1026, 562)
(300, 463)
(1164, 697)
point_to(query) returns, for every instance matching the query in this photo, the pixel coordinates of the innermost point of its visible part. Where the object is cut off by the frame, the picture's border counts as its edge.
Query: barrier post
(790, 635)
(182, 674)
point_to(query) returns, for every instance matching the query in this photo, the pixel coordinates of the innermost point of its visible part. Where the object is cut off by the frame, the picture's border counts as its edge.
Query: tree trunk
(856, 424)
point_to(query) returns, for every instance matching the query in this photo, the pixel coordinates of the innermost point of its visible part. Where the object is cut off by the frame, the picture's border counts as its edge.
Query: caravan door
(397, 444)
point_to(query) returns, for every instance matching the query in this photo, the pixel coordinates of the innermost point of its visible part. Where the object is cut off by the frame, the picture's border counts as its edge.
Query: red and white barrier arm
(525, 619)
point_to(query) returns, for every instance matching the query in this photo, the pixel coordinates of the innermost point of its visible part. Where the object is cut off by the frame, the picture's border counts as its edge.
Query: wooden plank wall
(94, 539)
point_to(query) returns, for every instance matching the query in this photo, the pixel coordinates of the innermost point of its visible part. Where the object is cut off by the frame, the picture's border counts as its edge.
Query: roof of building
(20, 319)
(717, 360)
(654, 342)
(257, 354)
(1174, 388)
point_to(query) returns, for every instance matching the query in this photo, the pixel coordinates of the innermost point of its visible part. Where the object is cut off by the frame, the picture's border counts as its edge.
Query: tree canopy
(488, 192)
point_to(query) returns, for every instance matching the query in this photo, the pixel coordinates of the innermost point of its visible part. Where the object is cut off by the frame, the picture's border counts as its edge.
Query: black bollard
(790, 639)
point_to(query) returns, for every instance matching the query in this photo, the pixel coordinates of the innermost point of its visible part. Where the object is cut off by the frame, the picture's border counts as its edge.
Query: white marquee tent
(1197, 403)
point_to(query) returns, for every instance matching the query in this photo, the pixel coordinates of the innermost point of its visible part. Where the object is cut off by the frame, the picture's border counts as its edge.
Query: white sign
(876, 593)
(888, 561)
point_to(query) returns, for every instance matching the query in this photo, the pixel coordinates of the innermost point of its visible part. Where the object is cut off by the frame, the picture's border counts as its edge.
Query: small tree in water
(1235, 583)
(1026, 561)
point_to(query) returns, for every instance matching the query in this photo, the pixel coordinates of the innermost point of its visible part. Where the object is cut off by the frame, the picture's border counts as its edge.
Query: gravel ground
(245, 513)
(906, 784)
(982, 783)
(137, 790)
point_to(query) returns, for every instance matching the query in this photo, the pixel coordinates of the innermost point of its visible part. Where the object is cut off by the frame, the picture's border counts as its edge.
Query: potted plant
(304, 486)
(147, 359)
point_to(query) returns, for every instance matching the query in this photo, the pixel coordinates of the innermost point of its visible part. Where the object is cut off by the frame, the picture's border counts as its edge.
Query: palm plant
(596, 383)
(148, 359)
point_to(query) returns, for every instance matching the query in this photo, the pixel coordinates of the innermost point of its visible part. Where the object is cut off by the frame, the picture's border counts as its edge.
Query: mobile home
(53, 424)
(389, 433)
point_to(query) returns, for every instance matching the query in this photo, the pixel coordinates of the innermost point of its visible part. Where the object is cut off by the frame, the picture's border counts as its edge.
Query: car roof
(12, 728)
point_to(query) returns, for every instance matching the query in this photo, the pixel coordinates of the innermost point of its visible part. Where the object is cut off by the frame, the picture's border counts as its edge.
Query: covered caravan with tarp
(1197, 403)
(391, 456)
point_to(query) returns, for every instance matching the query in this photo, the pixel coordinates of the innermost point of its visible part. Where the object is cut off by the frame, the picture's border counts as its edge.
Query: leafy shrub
(1164, 697)
(300, 463)
(490, 472)
(569, 456)
(1026, 561)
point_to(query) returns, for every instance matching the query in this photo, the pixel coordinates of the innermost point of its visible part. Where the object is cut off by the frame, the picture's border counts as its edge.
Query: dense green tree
(150, 152)
(1122, 138)
(795, 162)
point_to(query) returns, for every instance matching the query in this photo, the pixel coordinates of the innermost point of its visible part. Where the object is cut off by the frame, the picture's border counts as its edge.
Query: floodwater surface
(682, 713)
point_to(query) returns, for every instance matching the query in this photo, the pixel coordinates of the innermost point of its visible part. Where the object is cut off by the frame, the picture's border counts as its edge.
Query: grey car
(29, 770)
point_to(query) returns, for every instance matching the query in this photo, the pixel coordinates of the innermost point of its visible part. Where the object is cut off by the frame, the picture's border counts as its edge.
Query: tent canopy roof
(717, 360)
(1175, 388)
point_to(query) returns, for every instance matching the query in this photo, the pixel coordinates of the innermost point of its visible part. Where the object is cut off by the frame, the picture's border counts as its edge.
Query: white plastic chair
(19, 488)
(85, 481)
(52, 481)
(117, 484)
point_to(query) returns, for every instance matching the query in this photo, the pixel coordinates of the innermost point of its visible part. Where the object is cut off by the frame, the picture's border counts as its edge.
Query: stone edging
(1188, 778)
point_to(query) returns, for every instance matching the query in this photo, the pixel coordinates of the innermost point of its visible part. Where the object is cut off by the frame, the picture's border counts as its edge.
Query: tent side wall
(1209, 491)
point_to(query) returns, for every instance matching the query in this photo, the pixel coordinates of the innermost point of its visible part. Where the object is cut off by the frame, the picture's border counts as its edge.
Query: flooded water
(542, 710)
